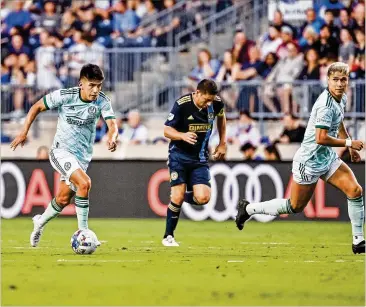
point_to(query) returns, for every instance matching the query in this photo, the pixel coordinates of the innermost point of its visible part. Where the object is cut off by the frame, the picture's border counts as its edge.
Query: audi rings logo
(13, 170)
(230, 191)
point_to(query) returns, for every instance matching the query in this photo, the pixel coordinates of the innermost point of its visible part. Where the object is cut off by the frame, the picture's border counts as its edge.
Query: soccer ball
(83, 242)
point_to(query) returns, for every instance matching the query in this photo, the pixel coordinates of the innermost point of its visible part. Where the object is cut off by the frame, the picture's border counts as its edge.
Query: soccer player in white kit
(316, 159)
(79, 109)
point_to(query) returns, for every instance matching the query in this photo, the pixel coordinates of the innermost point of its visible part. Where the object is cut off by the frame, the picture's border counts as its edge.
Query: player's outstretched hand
(220, 152)
(189, 137)
(20, 139)
(357, 145)
(355, 156)
(112, 145)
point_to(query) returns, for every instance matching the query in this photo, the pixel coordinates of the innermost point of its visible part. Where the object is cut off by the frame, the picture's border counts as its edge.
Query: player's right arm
(171, 124)
(37, 108)
(323, 122)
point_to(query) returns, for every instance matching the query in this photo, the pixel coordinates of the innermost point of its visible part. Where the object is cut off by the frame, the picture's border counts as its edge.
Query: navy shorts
(183, 169)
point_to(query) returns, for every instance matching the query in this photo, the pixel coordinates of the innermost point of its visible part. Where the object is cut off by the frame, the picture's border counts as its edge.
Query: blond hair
(341, 67)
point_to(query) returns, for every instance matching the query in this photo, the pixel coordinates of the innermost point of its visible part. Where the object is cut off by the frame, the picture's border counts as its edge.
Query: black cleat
(359, 248)
(242, 215)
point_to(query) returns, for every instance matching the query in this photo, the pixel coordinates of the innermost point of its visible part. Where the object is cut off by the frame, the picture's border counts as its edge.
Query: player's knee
(84, 185)
(354, 191)
(62, 201)
(177, 199)
(202, 199)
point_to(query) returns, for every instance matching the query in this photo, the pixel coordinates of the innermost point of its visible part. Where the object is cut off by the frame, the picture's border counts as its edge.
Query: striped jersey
(327, 113)
(77, 121)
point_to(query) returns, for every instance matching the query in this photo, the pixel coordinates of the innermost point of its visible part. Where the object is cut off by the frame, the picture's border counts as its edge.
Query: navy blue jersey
(185, 116)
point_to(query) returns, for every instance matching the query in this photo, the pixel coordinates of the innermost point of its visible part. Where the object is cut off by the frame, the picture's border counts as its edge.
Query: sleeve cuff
(322, 127)
(109, 117)
(45, 103)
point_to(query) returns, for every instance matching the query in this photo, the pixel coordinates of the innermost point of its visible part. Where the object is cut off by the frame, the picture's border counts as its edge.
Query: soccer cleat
(169, 241)
(242, 215)
(359, 248)
(36, 234)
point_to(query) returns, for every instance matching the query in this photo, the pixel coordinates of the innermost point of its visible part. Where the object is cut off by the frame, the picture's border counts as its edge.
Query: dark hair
(247, 146)
(207, 86)
(272, 149)
(91, 72)
(329, 11)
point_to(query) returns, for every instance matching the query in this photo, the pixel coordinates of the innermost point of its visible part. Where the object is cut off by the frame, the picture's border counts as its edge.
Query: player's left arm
(343, 134)
(220, 151)
(112, 134)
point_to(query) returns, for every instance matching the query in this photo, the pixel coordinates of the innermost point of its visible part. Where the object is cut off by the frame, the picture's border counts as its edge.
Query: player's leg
(344, 179)
(199, 179)
(302, 190)
(82, 183)
(54, 208)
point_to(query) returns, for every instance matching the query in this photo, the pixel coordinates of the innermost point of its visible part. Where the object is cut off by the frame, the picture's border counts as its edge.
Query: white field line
(96, 260)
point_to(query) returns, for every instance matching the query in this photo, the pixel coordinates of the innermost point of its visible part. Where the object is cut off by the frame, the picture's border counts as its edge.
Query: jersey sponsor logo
(184, 99)
(199, 127)
(170, 116)
(79, 122)
(173, 176)
(190, 118)
(67, 166)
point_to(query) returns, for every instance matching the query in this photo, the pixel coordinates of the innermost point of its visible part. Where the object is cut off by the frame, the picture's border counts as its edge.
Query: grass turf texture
(279, 263)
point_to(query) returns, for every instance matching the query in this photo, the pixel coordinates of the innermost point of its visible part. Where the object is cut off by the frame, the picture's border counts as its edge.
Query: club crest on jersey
(170, 116)
(210, 116)
(174, 176)
(92, 110)
(67, 166)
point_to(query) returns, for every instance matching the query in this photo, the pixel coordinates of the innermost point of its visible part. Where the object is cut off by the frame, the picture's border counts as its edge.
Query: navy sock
(189, 198)
(172, 218)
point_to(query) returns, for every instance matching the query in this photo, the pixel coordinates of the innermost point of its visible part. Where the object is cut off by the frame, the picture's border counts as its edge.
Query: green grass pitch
(279, 263)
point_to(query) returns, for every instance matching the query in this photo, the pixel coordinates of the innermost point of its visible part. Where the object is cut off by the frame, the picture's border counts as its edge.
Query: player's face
(337, 83)
(90, 89)
(203, 99)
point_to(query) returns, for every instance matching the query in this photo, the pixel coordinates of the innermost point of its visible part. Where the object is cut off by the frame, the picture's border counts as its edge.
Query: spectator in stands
(287, 38)
(207, 66)
(46, 65)
(271, 41)
(17, 19)
(140, 8)
(309, 40)
(278, 22)
(5, 73)
(42, 153)
(18, 47)
(166, 25)
(87, 18)
(329, 21)
(134, 132)
(245, 131)
(249, 152)
(69, 23)
(312, 20)
(4, 11)
(49, 19)
(293, 131)
(344, 20)
(125, 19)
(271, 153)
(311, 70)
(327, 45)
(360, 47)
(347, 49)
(359, 70)
(285, 72)
(333, 6)
(241, 47)
(359, 16)
(100, 130)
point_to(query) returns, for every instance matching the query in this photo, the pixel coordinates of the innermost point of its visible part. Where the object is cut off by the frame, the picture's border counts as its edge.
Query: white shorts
(65, 163)
(306, 175)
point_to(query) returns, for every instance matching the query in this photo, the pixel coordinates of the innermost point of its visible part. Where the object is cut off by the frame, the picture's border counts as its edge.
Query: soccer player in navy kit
(189, 126)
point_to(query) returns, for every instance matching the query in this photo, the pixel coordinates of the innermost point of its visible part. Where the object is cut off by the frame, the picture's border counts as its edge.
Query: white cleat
(36, 234)
(169, 241)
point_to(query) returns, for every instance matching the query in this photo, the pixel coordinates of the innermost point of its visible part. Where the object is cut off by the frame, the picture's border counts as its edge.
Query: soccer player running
(316, 159)
(79, 109)
(189, 126)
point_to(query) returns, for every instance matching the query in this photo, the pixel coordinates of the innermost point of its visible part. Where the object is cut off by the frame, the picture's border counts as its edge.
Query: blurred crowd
(287, 53)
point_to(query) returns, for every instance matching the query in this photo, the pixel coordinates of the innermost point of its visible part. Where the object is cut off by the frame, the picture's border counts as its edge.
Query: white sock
(82, 211)
(52, 210)
(275, 206)
(356, 212)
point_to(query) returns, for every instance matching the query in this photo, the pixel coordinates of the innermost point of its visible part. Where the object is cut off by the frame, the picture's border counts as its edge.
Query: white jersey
(77, 121)
(328, 114)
